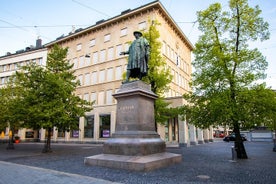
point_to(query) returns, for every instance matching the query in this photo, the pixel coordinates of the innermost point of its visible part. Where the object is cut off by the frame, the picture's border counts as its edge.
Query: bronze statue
(139, 51)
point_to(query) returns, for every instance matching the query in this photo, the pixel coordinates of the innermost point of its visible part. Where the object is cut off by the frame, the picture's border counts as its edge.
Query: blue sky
(22, 21)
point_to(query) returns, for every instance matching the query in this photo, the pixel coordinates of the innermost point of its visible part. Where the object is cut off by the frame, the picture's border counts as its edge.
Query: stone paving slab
(205, 163)
(14, 173)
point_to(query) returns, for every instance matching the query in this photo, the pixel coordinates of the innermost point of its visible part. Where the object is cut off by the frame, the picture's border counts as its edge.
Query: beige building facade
(94, 51)
(99, 67)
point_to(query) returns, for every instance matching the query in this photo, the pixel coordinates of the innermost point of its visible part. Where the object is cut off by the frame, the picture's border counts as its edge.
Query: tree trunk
(10, 143)
(239, 146)
(47, 146)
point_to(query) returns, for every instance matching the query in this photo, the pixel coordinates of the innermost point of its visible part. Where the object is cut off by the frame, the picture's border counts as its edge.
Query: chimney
(38, 43)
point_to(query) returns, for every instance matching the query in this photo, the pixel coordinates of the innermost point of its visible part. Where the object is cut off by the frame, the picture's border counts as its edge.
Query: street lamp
(274, 148)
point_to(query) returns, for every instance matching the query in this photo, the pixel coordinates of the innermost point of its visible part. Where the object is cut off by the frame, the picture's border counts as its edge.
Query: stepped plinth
(135, 145)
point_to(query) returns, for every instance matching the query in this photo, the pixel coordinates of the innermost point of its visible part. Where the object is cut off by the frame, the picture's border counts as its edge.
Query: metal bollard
(234, 153)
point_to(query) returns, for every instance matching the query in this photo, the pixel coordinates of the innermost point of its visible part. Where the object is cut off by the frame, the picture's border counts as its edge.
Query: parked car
(218, 134)
(232, 137)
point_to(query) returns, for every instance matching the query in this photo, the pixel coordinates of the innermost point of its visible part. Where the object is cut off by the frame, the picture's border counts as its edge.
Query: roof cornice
(100, 24)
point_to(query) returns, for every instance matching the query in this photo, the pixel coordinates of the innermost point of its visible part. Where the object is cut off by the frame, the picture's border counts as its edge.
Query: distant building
(11, 62)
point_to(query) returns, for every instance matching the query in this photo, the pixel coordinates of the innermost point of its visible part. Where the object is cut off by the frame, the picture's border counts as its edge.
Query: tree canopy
(47, 93)
(225, 91)
(158, 75)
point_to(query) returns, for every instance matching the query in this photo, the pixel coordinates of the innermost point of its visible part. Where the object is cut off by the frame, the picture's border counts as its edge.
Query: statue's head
(137, 33)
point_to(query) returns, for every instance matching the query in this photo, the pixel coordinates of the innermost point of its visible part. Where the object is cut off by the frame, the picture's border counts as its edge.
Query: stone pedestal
(135, 145)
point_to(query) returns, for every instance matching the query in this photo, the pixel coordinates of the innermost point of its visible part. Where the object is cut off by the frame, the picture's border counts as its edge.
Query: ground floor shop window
(75, 133)
(61, 133)
(105, 126)
(89, 127)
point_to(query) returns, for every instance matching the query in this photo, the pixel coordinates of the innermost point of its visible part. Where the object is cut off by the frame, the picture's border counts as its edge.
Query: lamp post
(274, 148)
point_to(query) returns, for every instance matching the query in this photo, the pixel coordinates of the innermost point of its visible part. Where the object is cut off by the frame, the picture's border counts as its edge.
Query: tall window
(89, 127)
(79, 47)
(126, 46)
(87, 79)
(80, 79)
(86, 97)
(123, 31)
(142, 25)
(106, 37)
(40, 61)
(102, 56)
(104, 126)
(94, 98)
(94, 78)
(118, 50)
(81, 61)
(101, 98)
(95, 57)
(109, 74)
(118, 75)
(102, 76)
(110, 54)
(87, 61)
(75, 63)
(92, 42)
(109, 97)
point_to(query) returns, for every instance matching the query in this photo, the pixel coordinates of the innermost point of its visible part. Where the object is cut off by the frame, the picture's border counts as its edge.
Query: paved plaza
(207, 163)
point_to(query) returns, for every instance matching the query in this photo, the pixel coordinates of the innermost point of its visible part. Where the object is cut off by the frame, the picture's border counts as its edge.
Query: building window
(89, 126)
(75, 63)
(61, 133)
(75, 133)
(80, 79)
(110, 53)
(79, 47)
(94, 78)
(94, 98)
(118, 73)
(142, 25)
(86, 97)
(102, 76)
(109, 74)
(95, 57)
(124, 32)
(104, 126)
(118, 50)
(92, 42)
(87, 60)
(81, 61)
(109, 97)
(2, 80)
(87, 79)
(106, 37)
(126, 46)
(102, 56)
(101, 98)
(40, 61)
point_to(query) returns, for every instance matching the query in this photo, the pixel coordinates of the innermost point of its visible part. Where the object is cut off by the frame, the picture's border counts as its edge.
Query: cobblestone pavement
(207, 163)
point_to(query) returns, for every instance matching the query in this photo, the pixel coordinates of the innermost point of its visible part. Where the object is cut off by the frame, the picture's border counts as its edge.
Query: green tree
(48, 94)
(226, 69)
(158, 75)
(11, 110)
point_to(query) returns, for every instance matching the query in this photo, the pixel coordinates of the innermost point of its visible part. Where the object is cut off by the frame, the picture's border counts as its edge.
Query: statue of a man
(139, 51)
